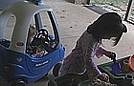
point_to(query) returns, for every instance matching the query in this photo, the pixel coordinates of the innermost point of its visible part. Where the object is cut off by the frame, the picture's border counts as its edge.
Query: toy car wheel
(18, 83)
(56, 69)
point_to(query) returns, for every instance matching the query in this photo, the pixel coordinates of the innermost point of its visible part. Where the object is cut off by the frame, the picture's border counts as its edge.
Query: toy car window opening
(5, 41)
(41, 42)
(45, 38)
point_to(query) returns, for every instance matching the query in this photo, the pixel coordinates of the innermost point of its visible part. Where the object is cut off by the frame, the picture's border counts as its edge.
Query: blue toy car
(19, 63)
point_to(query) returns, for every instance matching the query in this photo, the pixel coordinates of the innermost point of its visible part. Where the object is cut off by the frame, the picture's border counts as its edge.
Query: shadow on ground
(96, 9)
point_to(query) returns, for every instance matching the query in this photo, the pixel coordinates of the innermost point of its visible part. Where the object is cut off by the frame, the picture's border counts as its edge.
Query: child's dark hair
(108, 23)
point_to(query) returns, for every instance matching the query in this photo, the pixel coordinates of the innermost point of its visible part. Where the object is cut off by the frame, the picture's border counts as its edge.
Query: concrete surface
(72, 20)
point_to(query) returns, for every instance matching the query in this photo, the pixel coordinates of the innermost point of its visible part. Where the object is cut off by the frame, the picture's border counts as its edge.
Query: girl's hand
(111, 55)
(103, 77)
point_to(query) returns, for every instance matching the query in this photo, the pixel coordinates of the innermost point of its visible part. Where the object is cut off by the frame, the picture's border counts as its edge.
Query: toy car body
(15, 62)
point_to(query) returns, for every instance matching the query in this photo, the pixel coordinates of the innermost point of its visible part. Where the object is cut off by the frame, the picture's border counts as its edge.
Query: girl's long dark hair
(108, 23)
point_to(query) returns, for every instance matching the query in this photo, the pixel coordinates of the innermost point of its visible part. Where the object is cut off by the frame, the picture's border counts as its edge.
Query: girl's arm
(100, 52)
